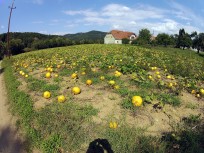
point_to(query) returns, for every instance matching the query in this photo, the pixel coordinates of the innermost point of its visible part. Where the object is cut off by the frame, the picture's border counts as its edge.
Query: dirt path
(9, 139)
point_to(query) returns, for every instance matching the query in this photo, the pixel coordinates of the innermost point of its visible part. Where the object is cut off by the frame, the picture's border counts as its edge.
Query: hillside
(68, 97)
(91, 35)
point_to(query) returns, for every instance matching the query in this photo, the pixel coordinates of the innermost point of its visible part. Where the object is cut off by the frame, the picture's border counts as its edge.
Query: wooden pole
(8, 36)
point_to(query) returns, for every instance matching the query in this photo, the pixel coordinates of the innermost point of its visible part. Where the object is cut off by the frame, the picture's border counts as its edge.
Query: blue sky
(72, 16)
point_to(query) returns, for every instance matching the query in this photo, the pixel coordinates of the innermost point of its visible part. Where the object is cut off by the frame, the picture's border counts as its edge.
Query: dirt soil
(10, 141)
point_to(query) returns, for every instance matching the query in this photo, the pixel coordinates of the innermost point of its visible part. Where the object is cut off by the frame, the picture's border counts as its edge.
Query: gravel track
(10, 141)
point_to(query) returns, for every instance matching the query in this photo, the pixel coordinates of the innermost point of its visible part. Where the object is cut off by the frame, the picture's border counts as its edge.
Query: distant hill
(91, 35)
(27, 37)
(23, 35)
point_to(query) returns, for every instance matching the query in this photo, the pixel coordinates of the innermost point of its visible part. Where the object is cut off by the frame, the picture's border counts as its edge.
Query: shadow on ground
(99, 146)
(1, 70)
(9, 142)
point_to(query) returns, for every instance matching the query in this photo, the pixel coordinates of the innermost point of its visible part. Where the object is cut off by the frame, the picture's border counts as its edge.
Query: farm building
(116, 36)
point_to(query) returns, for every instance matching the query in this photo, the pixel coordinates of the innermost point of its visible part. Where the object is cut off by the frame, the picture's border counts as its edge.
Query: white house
(116, 36)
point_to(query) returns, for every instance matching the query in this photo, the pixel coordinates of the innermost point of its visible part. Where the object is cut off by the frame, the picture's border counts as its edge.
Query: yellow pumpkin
(111, 82)
(118, 74)
(157, 72)
(74, 76)
(89, 82)
(102, 78)
(113, 125)
(137, 100)
(168, 77)
(48, 75)
(61, 98)
(116, 87)
(76, 90)
(202, 91)
(47, 94)
(83, 73)
(193, 92)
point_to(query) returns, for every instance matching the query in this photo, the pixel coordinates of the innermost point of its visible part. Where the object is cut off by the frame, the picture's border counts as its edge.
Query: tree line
(182, 40)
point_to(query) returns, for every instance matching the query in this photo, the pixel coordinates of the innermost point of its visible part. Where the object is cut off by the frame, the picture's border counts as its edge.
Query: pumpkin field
(137, 99)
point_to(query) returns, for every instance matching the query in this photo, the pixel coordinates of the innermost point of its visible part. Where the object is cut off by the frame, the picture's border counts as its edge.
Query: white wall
(118, 41)
(109, 39)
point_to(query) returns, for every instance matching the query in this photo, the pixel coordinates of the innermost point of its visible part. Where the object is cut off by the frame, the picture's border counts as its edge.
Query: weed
(191, 106)
(187, 136)
(52, 144)
(128, 140)
(67, 121)
(65, 72)
(169, 99)
(192, 119)
(112, 98)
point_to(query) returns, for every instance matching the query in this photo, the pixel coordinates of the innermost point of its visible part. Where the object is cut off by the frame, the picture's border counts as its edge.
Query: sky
(61, 17)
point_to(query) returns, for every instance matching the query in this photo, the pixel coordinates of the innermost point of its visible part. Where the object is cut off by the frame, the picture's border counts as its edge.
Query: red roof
(121, 34)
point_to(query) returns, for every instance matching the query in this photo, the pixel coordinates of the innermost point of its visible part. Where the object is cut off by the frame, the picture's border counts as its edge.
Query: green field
(170, 82)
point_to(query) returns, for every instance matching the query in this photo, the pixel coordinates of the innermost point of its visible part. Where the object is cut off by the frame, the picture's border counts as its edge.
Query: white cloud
(59, 33)
(133, 23)
(43, 32)
(81, 12)
(39, 2)
(116, 26)
(118, 16)
(139, 13)
(115, 10)
(122, 17)
(167, 26)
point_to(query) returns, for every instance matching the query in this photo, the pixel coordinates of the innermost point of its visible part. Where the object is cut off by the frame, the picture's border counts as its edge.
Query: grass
(67, 121)
(41, 85)
(128, 140)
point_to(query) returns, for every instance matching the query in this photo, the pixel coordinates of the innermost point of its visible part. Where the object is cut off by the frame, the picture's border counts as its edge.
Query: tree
(125, 41)
(198, 42)
(173, 39)
(184, 39)
(2, 49)
(193, 34)
(3, 37)
(163, 39)
(134, 42)
(16, 46)
(144, 37)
